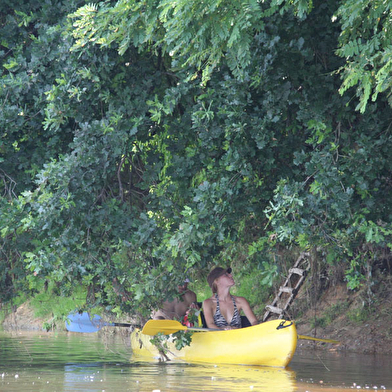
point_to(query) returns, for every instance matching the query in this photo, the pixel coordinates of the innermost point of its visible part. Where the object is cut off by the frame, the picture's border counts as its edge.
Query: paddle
(318, 340)
(84, 323)
(167, 327)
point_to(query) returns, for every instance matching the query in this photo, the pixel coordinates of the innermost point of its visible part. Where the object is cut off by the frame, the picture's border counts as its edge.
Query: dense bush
(145, 141)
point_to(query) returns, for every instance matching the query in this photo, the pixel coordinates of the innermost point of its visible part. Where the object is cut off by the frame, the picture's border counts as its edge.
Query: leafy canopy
(147, 141)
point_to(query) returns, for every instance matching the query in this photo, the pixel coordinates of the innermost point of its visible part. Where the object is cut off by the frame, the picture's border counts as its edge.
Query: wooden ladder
(289, 290)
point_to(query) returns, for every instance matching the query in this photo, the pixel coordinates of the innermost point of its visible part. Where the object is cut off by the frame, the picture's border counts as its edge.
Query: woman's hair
(215, 274)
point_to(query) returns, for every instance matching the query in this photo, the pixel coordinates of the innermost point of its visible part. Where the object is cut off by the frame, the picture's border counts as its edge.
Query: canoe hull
(272, 343)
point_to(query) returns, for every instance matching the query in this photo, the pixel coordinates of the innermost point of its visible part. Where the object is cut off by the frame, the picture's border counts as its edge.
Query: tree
(32, 52)
(186, 134)
(365, 42)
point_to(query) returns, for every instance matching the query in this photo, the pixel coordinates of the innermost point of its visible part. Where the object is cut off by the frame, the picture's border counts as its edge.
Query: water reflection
(185, 377)
(95, 363)
(77, 375)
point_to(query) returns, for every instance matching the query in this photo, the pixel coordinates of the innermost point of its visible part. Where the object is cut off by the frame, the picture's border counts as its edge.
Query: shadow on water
(343, 369)
(38, 361)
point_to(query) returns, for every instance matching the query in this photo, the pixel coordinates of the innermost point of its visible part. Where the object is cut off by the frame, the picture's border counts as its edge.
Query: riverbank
(362, 322)
(339, 314)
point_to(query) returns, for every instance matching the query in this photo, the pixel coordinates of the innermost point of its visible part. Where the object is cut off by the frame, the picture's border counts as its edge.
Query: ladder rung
(274, 309)
(297, 271)
(289, 290)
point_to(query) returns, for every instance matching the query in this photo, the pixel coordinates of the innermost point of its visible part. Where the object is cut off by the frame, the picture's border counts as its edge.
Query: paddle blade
(84, 323)
(318, 340)
(167, 327)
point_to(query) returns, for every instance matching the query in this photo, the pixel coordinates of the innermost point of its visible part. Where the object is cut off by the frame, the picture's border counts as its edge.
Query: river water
(54, 361)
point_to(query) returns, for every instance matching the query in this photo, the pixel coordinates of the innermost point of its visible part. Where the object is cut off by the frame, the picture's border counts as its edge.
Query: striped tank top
(220, 321)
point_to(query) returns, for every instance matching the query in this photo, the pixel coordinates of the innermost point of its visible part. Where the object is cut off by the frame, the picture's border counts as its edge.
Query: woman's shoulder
(240, 300)
(208, 301)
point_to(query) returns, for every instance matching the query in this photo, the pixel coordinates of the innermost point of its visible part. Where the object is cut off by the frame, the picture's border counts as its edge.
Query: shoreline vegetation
(360, 323)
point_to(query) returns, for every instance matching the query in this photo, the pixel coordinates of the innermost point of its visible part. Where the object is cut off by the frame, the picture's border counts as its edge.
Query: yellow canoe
(272, 343)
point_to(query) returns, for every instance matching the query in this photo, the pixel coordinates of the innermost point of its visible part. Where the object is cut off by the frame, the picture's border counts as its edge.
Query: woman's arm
(243, 305)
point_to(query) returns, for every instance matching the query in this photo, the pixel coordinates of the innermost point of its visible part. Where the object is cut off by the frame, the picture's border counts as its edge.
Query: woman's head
(215, 274)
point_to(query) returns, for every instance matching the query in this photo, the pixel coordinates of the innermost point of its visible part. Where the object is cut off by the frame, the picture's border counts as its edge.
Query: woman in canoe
(222, 310)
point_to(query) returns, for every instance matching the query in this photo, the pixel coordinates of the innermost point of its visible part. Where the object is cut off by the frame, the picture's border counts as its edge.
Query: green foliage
(49, 301)
(255, 286)
(181, 339)
(193, 34)
(329, 315)
(160, 342)
(359, 315)
(53, 301)
(146, 141)
(365, 43)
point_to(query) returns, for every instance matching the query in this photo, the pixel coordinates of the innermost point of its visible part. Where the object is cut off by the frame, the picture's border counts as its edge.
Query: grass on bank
(47, 305)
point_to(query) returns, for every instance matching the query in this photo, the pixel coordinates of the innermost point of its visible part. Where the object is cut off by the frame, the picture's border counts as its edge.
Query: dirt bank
(362, 322)
(23, 318)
